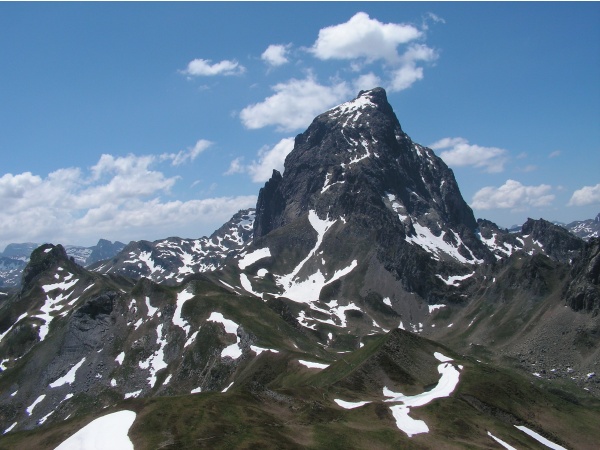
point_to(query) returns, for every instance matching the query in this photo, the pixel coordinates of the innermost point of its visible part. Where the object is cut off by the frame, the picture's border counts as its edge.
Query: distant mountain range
(359, 305)
(15, 257)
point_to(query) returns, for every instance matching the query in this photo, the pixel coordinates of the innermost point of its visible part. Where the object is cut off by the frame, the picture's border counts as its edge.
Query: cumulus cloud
(189, 154)
(457, 152)
(587, 195)
(118, 198)
(512, 195)
(366, 81)
(409, 72)
(269, 158)
(360, 41)
(203, 67)
(275, 55)
(294, 104)
(363, 37)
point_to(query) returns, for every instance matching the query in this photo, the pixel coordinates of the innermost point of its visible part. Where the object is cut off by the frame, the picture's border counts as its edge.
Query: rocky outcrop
(104, 249)
(583, 292)
(557, 242)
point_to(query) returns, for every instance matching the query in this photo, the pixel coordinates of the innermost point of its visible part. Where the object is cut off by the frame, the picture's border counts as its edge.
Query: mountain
(361, 305)
(10, 271)
(585, 229)
(171, 260)
(15, 257)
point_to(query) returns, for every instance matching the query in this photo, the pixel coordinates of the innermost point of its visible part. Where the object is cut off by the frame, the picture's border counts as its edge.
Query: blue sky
(133, 121)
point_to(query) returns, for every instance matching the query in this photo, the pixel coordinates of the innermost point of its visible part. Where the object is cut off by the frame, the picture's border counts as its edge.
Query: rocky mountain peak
(354, 161)
(43, 259)
(556, 241)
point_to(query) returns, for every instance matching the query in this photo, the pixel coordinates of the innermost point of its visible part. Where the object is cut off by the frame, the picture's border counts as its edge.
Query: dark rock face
(104, 249)
(42, 259)
(269, 206)
(349, 159)
(392, 198)
(583, 293)
(557, 242)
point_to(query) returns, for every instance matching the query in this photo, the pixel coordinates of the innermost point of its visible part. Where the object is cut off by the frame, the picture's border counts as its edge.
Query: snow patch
(455, 279)
(108, 431)
(501, 442)
(156, 361)
(69, 377)
(432, 308)
(259, 350)
(251, 258)
(436, 245)
(308, 290)
(541, 439)
(234, 351)
(445, 386)
(178, 319)
(35, 403)
(313, 365)
(10, 428)
(132, 394)
(350, 405)
(151, 309)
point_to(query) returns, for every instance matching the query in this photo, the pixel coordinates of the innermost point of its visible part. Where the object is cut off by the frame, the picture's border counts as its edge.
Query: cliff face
(583, 292)
(395, 207)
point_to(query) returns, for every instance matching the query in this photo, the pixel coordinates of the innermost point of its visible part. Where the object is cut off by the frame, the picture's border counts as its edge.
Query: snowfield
(446, 385)
(106, 432)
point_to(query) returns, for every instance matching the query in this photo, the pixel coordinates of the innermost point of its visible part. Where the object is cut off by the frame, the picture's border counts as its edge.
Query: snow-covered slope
(171, 260)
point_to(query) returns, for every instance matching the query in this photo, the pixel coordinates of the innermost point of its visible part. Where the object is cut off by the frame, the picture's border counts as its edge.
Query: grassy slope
(296, 409)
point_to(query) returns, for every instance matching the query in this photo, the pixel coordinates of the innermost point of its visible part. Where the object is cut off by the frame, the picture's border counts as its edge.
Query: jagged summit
(355, 161)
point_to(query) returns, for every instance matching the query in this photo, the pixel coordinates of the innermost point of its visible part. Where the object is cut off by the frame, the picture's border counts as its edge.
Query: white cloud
(294, 104)
(512, 195)
(587, 195)
(457, 152)
(203, 67)
(366, 82)
(236, 166)
(189, 154)
(363, 37)
(408, 71)
(274, 55)
(432, 17)
(117, 198)
(554, 154)
(361, 41)
(269, 158)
